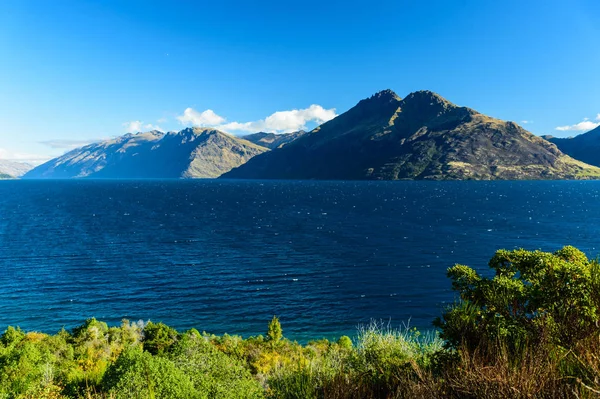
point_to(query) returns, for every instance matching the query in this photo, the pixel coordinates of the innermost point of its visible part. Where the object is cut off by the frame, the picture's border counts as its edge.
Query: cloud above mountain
(138, 126)
(65, 144)
(582, 126)
(191, 117)
(33, 159)
(278, 122)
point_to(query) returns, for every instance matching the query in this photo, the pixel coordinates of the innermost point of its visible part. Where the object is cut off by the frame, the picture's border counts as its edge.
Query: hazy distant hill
(190, 153)
(422, 136)
(272, 140)
(585, 147)
(11, 169)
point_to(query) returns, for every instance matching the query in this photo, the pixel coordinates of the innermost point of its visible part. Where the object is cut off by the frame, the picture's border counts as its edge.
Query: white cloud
(138, 126)
(191, 117)
(67, 144)
(598, 117)
(585, 125)
(284, 121)
(22, 157)
(133, 126)
(150, 126)
(526, 122)
(162, 120)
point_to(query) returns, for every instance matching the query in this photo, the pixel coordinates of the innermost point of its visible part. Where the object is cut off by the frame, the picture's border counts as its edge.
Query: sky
(74, 72)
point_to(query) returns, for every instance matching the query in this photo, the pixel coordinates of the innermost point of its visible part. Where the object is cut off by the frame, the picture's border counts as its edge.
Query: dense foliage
(531, 329)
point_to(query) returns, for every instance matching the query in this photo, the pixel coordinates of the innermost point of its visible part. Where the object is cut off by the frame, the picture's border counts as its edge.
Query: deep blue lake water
(225, 256)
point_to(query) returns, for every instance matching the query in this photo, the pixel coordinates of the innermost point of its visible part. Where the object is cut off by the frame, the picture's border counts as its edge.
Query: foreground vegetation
(531, 330)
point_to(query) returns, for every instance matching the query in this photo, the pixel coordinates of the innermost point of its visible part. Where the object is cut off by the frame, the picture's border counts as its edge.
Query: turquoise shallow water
(225, 256)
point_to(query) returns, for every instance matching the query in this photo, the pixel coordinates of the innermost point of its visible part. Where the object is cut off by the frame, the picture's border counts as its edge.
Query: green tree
(213, 372)
(158, 338)
(274, 333)
(533, 295)
(137, 374)
(345, 342)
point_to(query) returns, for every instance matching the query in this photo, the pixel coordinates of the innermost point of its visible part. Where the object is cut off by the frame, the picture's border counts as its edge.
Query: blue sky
(72, 72)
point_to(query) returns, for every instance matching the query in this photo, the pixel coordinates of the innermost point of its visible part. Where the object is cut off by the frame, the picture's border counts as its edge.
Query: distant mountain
(422, 136)
(11, 169)
(190, 153)
(272, 140)
(584, 147)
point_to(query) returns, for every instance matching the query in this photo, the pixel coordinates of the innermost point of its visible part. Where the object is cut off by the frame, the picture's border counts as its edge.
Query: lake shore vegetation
(529, 327)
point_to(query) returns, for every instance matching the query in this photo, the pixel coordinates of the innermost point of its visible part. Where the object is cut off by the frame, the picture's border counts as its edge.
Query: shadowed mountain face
(422, 136)
(11, 169)
(585, 147)
(272, 140)
(190, 153)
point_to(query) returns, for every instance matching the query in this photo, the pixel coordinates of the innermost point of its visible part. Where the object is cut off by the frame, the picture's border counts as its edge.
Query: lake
(225, 256)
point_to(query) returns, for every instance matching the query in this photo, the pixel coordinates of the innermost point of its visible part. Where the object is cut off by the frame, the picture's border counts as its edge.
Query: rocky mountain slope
(272, 140)
(422, 136)
(584, 147)
(12, 169)
(190, 153)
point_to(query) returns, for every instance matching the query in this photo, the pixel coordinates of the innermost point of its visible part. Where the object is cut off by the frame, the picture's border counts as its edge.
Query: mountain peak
(197, 131)
(426, 105)
(427, 97)
(382, 100)
(384, 95)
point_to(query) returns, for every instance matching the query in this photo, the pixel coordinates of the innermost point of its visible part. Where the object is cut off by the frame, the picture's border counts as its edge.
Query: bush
(138, 374)
(534, 296)
(274, 332)
(212, 372)
(158, 338)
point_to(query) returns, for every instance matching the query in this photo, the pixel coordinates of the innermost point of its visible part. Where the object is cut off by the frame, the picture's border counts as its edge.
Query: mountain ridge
(584, 147)
(189, 153)
(383, 137)
(273, 140)
(13, 169)
(423, 136)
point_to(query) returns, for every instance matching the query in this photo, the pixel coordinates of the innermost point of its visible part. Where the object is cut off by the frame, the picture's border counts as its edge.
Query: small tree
(274, 333)
(159, 338)
(533, 295)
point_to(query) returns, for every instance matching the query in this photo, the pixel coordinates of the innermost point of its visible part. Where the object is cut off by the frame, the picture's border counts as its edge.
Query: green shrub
(26, 365)
(212, 372)
(138, 374)
(345, 342)
(158, 338)
(385, 358)
(274, 333)
(533, 296)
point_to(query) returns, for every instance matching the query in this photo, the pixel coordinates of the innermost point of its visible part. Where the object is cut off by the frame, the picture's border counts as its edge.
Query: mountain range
(423, 136)
(12, 169)
(384, 137)
(190, 153)
(585, 147)
(272, 140)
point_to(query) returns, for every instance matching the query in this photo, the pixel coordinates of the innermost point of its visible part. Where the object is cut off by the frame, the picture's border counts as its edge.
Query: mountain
(11, 169)
(422, 136)
(190, 153)
(584, 147)
(272, 140)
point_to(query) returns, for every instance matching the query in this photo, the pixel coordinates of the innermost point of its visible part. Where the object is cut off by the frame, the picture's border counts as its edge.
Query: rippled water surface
(225, 256)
